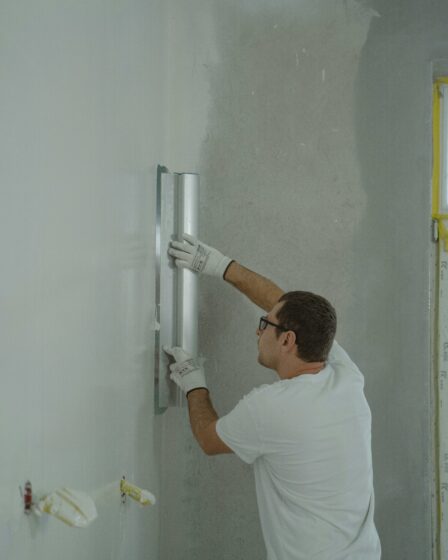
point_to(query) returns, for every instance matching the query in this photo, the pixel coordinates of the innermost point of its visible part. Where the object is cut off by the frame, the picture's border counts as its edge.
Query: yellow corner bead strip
(436, 215)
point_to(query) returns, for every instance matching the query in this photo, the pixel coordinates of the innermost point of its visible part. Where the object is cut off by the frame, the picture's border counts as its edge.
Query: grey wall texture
(314, 149)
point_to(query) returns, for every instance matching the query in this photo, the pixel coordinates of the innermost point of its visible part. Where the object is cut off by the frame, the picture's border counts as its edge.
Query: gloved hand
(186, 372)
(198, 256)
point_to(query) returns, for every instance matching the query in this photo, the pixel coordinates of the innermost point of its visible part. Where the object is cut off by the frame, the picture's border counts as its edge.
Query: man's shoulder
(269, 392)
(346, 372)
(340, 356)
(261, 395)
(260, 391)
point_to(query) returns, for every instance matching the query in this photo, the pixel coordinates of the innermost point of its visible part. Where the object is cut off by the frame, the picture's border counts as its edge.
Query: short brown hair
(313, 320)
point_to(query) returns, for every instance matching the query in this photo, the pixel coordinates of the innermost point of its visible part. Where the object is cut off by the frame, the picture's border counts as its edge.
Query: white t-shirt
(309, 440)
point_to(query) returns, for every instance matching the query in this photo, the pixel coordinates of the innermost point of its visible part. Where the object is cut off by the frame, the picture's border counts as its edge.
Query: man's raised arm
(197, 256)
(257, 288)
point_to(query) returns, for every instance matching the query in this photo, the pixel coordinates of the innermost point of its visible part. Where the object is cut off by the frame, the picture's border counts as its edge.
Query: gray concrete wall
(313, 140)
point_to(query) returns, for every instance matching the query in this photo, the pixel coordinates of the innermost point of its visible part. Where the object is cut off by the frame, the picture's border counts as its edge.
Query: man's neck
(309, 368)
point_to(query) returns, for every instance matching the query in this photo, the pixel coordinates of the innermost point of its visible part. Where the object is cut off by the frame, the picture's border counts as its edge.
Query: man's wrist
(227, 268)
(198, 390)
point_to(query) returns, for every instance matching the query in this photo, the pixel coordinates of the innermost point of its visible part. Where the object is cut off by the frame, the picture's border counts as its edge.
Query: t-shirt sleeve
(338, 354)
(240, 430)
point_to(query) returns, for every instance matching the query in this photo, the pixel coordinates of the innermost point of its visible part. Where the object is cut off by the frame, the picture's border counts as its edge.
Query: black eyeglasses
(264, 323)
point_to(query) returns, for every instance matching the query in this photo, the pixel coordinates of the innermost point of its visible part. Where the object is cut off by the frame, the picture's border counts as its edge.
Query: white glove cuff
(190, 375)
(222, 266)
(196, 389)
(194, 380)
(210, 261)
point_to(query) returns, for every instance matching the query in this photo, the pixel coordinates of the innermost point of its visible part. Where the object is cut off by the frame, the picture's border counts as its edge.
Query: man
(307, 435)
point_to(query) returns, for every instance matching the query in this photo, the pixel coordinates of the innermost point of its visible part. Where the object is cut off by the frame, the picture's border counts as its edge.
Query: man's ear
(289, 339)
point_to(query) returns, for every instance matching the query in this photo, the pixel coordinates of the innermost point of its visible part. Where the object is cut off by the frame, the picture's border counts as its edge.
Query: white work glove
(198, 256)
(186, 371)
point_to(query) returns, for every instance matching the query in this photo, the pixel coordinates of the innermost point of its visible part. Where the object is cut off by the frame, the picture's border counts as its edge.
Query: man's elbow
(210, 451)
(206, 446)
(210, 443)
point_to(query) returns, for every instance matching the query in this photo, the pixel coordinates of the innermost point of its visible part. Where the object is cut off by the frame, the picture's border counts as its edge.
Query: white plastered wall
(81, 107)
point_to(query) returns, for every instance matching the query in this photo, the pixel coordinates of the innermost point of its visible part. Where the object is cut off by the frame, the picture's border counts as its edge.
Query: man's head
(307, 326)
(313, 320)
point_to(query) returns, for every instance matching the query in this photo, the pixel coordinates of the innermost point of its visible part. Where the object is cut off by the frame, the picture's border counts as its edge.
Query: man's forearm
(202, 413)
(257, 288)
